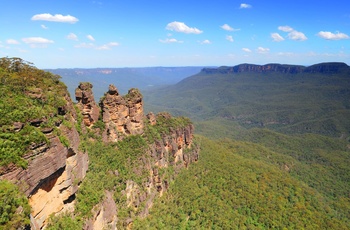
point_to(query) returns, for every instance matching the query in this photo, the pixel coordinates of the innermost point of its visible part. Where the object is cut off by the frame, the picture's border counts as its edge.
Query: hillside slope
(285, 98)
(240, 185)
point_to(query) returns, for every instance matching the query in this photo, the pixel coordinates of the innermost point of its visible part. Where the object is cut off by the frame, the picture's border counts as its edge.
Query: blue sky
(138, 33)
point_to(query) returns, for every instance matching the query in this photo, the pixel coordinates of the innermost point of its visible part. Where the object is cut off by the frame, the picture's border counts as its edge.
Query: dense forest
(275, 148)
(241, 185)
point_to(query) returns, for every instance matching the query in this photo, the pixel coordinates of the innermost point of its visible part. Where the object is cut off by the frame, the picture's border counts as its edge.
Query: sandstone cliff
(164, 157)
(54, 168)
(122, 115)
(44, 141)
(86, 103)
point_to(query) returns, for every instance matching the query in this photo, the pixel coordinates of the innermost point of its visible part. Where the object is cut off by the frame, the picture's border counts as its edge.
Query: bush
(14, 207)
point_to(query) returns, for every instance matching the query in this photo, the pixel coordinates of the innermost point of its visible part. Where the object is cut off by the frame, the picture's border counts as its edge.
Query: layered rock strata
(54, 170)
(86, 103)
(122, 115)
(174, 150)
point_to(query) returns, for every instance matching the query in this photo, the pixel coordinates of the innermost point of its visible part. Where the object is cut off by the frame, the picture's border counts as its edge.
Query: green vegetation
(14, 207)
(275, 159)
(64, 221)
(165, 124)
(305, 102)
(105, 161)
(271, 156)
(232, 187)
(29, 100)
(111, 166)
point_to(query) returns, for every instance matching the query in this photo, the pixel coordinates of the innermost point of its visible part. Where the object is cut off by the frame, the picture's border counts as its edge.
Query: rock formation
(86, 103)
(122, 115)
(174, 151)
(57, 167)
(105, 214)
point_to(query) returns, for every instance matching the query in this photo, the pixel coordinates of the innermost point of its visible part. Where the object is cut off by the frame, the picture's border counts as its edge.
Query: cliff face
(54, 170)
(53, 164)
(123, 116)
(174, 150)
(333, 67)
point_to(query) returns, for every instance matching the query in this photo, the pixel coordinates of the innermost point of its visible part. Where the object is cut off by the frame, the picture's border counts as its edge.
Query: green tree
(14, 207)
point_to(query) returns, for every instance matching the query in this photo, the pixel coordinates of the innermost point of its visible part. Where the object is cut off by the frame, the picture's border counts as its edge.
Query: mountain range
(285, 98)
(124, 78)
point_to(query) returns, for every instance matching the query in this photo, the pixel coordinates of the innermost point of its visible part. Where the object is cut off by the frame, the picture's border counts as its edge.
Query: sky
(141, 33)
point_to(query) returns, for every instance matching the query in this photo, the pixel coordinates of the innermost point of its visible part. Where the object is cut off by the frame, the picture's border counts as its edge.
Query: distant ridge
(327, 67)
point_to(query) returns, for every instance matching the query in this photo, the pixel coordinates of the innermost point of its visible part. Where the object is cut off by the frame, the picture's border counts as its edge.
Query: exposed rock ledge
(54, 171)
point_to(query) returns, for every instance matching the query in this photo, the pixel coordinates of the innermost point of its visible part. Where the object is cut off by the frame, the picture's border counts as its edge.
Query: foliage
(13, 145)
(14, 207)
(227, 189)
(64, 221)
(27, 94)
(164, 125)
(285, 102)
(321, 162)
(105, 161)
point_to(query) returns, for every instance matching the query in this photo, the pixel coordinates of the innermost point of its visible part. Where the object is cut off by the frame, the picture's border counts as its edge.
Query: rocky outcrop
(122, 115)
(57, 167)
(173, 151)
(54, 170)
(105, 214)
(86, 103)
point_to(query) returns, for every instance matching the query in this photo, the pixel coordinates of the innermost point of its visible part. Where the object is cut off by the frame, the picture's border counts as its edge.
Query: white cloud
(170, 40)
(107, 46)
(37, 40)
(331, 36)
(263, 50)
(44, 27)
(296, 35)
(229, 38)
(55, 18)
(245, 6)
(90, 37)
(293, 34)
(246, 50)
(72, 36)
(205, 42)
(182, 28)
(285, 28)
(227, 27)
(12, 42)
(276, 37)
